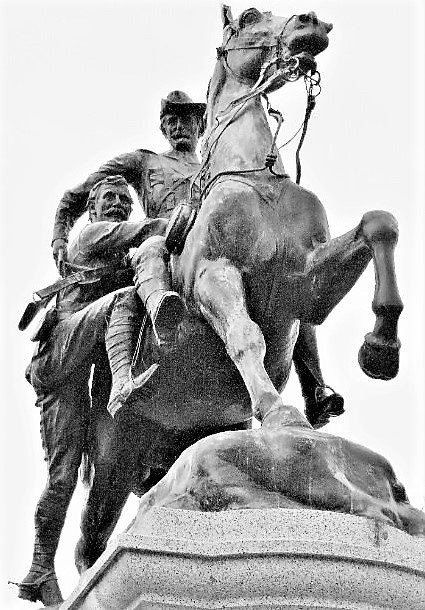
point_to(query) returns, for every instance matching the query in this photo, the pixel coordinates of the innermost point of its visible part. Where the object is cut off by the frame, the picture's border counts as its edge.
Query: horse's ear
(226, 15)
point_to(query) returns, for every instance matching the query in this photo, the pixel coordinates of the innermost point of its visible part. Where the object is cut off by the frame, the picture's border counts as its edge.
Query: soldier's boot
(153, 284)
(40, 584)
(321, 401)
(121, 342)
(43, 588)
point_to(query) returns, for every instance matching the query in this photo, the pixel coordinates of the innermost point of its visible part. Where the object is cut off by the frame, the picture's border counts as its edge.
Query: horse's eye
(250, 16)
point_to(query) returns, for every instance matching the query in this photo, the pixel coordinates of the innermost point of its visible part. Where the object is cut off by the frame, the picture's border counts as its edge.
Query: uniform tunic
(160, 181)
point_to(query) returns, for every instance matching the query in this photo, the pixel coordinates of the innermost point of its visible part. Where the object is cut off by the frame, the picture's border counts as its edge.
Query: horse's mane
(215, 86)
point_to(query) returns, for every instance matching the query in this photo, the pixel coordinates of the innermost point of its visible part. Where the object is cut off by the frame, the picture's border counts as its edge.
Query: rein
(311, 103)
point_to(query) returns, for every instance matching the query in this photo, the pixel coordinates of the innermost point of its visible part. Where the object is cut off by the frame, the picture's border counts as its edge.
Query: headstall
(289, 69)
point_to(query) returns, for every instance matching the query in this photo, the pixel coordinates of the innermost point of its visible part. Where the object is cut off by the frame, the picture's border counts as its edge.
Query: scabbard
(31, 310)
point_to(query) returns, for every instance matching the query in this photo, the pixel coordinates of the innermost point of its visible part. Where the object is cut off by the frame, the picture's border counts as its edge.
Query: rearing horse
(258, 260)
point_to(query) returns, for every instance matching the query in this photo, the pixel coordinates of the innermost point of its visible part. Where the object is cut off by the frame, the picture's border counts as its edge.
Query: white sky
(82, 82)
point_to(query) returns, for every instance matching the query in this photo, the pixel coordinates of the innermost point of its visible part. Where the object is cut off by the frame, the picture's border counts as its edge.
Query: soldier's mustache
(117, 210)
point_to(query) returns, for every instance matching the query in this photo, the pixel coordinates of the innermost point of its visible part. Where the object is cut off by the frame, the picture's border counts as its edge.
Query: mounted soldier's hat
(178, 102)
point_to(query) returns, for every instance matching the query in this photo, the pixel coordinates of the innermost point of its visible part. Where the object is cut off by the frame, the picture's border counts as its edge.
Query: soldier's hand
(60, 254)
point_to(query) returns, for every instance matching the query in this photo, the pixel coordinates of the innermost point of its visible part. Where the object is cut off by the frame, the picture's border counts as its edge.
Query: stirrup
(134, 384)
(140, 380)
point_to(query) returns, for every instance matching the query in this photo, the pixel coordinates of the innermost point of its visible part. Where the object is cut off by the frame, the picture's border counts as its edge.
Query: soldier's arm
(73, 203)
(113, 237)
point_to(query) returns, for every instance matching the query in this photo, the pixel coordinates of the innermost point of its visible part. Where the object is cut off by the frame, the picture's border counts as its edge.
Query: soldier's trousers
(60, 372)
(63, 416)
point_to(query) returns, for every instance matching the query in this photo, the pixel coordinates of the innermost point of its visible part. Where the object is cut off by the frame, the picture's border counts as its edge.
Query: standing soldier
(96, 311)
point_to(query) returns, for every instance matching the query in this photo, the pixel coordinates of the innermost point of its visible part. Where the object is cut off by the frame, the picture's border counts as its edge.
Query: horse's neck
(239, 138)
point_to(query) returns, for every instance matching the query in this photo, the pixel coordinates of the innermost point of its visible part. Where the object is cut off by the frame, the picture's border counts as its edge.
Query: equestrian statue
(250, 268)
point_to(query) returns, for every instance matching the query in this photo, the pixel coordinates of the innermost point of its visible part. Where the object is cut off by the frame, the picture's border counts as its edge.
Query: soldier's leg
(73, 342)
(121, 339)
(153, 285)
(63, 414)
(321, 402)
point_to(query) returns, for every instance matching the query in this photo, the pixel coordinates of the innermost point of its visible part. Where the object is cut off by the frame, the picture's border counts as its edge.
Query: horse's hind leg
(105, 501)
(336, 268)
(220, 294)
(113, 480)
(110, 485)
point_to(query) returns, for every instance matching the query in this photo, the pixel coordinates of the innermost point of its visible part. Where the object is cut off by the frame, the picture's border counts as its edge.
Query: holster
(46, 324)
(180, 223)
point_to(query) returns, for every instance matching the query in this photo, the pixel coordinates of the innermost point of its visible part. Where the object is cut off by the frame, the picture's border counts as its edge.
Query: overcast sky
(82, 82)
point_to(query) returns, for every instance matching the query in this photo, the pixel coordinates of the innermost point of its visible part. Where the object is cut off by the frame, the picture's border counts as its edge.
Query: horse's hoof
(379, 360)
(326, 404)
(45, 589)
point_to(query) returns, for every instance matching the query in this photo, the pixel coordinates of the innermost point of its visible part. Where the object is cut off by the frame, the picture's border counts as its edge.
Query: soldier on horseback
(162, 182)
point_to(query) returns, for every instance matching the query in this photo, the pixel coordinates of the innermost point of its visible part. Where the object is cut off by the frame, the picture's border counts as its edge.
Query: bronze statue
(258, 265)
(258, 261)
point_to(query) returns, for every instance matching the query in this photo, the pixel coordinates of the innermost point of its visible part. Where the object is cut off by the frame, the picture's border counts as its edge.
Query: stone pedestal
(274, 558)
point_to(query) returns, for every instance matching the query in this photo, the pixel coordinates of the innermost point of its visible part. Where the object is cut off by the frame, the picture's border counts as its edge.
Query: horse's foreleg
(334, 271)
(379, 354)
(220, 294)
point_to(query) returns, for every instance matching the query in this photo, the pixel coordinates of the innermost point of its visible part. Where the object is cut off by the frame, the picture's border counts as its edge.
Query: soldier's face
(113, 203)
(182, 132)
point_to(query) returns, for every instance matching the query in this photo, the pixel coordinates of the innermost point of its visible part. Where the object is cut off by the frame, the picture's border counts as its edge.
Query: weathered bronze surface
(258, 268)
(258, 261)
(281, 466)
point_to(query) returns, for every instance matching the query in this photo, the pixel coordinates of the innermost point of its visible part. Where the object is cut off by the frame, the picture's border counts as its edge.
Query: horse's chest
(298, 235)
(293, 246)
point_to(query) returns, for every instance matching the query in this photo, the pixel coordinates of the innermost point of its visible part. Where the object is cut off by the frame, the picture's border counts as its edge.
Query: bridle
(265, 41)
(288, 69)
(260, 40)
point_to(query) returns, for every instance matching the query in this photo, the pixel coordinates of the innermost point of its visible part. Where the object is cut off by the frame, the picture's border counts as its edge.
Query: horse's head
(260, 44)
